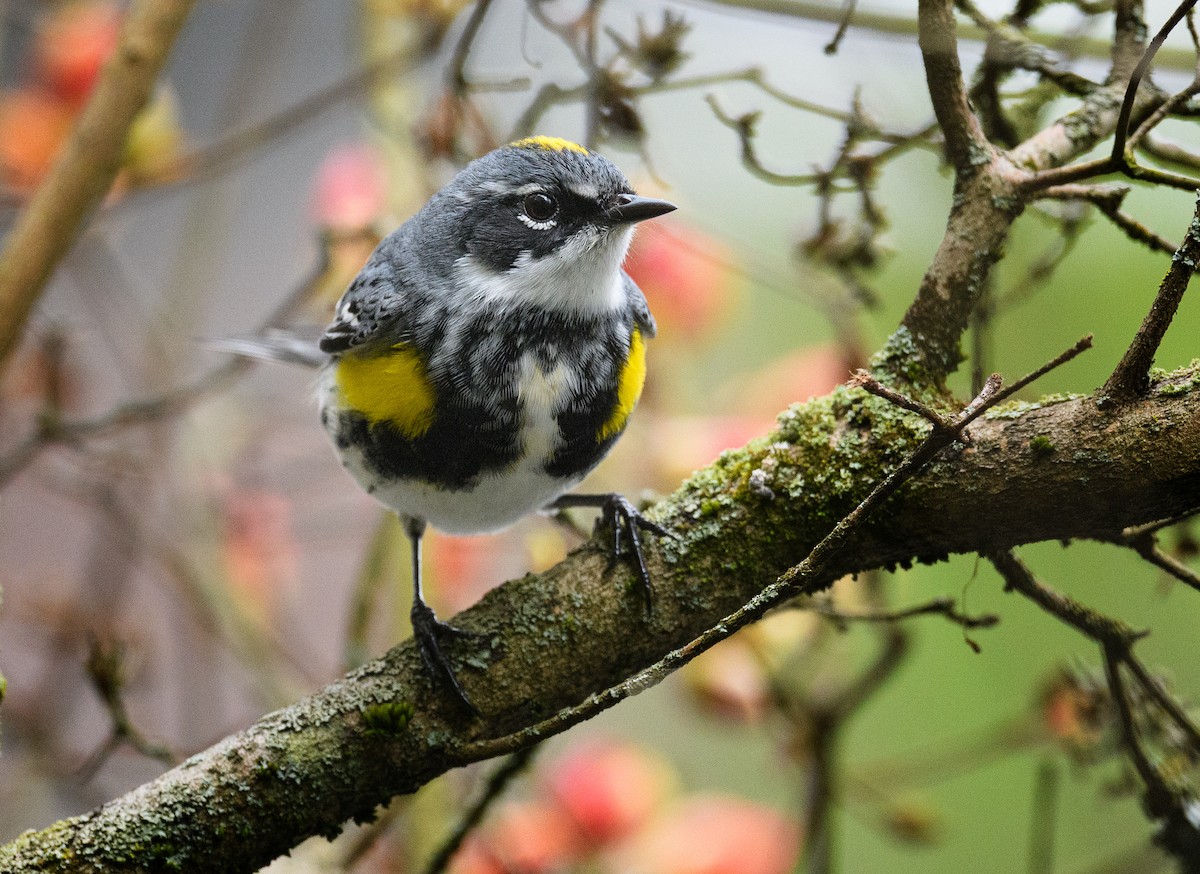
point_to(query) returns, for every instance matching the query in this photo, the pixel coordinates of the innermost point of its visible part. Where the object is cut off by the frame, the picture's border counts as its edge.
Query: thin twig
(848, 7)
(496, 784)
(52, 429)
(743, 126)
(1019, 578)
(945, 607)
(1137, 231)
(1118, 154)
(864, 380)
(1081, 345)
(1150, 527)
(1147, 547)
(106, 670)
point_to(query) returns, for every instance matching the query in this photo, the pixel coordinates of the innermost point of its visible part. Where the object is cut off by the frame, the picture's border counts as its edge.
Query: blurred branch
(965, 140)
(579, 36)
(1166, 803)
(106, 670)
(1044, 821)
(89, 161)
(52, 429)
(202, 163)
(378, 572)
(743, 126)
(497, 783)
(879, 22)
(824, 722)
(277, 677)
(462, 49)
(944, 607)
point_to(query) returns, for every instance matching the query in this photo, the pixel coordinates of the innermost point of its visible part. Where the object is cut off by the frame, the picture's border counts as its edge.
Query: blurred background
(191, 556)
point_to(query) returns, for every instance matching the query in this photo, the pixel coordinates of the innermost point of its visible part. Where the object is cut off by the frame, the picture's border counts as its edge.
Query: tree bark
(1056, 470)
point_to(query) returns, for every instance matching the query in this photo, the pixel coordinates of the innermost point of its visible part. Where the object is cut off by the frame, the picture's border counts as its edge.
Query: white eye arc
(535, 225)
(538, 211)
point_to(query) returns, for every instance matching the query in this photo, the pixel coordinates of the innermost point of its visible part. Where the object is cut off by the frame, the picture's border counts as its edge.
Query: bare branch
(1103, 629)
(1145, 544)
(497, 783)
(945, 607)
(89, 161)
(52, 429)
(1129, 29)
(966, 143)
(106, 670)
(1131, 377)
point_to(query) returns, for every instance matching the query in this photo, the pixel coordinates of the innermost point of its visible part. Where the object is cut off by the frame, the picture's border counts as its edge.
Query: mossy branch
(1057, 470)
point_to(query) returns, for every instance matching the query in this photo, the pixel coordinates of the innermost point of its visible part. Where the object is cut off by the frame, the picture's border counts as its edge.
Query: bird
(489, 354)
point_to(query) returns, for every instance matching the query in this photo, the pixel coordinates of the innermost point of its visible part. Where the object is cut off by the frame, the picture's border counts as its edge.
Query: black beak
(632, 208)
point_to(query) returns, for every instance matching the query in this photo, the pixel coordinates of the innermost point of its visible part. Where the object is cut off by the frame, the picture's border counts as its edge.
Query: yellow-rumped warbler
(490, 353)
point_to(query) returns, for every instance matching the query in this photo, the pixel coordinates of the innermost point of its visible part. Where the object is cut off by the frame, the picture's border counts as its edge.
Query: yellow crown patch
(553, 144)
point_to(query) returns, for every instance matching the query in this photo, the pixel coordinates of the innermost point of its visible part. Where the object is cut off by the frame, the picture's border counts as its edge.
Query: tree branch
(575, 631)
(1132, 374)
(966, 145)
(89, 161)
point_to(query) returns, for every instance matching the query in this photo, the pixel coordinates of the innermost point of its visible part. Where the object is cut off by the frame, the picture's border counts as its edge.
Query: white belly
(496, 501)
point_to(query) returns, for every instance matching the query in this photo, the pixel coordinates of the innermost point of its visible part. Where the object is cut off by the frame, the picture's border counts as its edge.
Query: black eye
(540, 207)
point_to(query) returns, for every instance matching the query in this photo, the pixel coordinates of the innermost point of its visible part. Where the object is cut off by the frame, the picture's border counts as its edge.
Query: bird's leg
(619, 514)
(427, 628)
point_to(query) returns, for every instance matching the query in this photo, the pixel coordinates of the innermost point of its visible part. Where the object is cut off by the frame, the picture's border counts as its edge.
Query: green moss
(1176, 382)
(1041, 446)
(899, 356)
(823, 456)
(1017, 409)
(387, 719)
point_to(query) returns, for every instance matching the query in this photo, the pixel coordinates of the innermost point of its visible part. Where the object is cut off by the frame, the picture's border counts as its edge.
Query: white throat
(582, 276)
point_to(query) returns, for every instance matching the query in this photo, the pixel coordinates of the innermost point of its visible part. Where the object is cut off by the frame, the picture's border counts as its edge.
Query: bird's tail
(288, 347)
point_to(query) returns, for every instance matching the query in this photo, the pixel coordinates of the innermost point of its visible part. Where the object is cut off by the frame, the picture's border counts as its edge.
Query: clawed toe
(429, 632)
(625, 520)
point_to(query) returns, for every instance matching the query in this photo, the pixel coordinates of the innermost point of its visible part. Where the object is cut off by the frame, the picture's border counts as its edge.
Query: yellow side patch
(629, 387)
(391, 387)
(554, 144)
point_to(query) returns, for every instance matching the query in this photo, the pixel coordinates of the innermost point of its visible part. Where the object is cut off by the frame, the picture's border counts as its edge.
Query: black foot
(617, 513)
(429, 631)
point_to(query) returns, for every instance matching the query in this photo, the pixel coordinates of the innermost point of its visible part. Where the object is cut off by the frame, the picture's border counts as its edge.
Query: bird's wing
(641, 310)
(372, 304)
